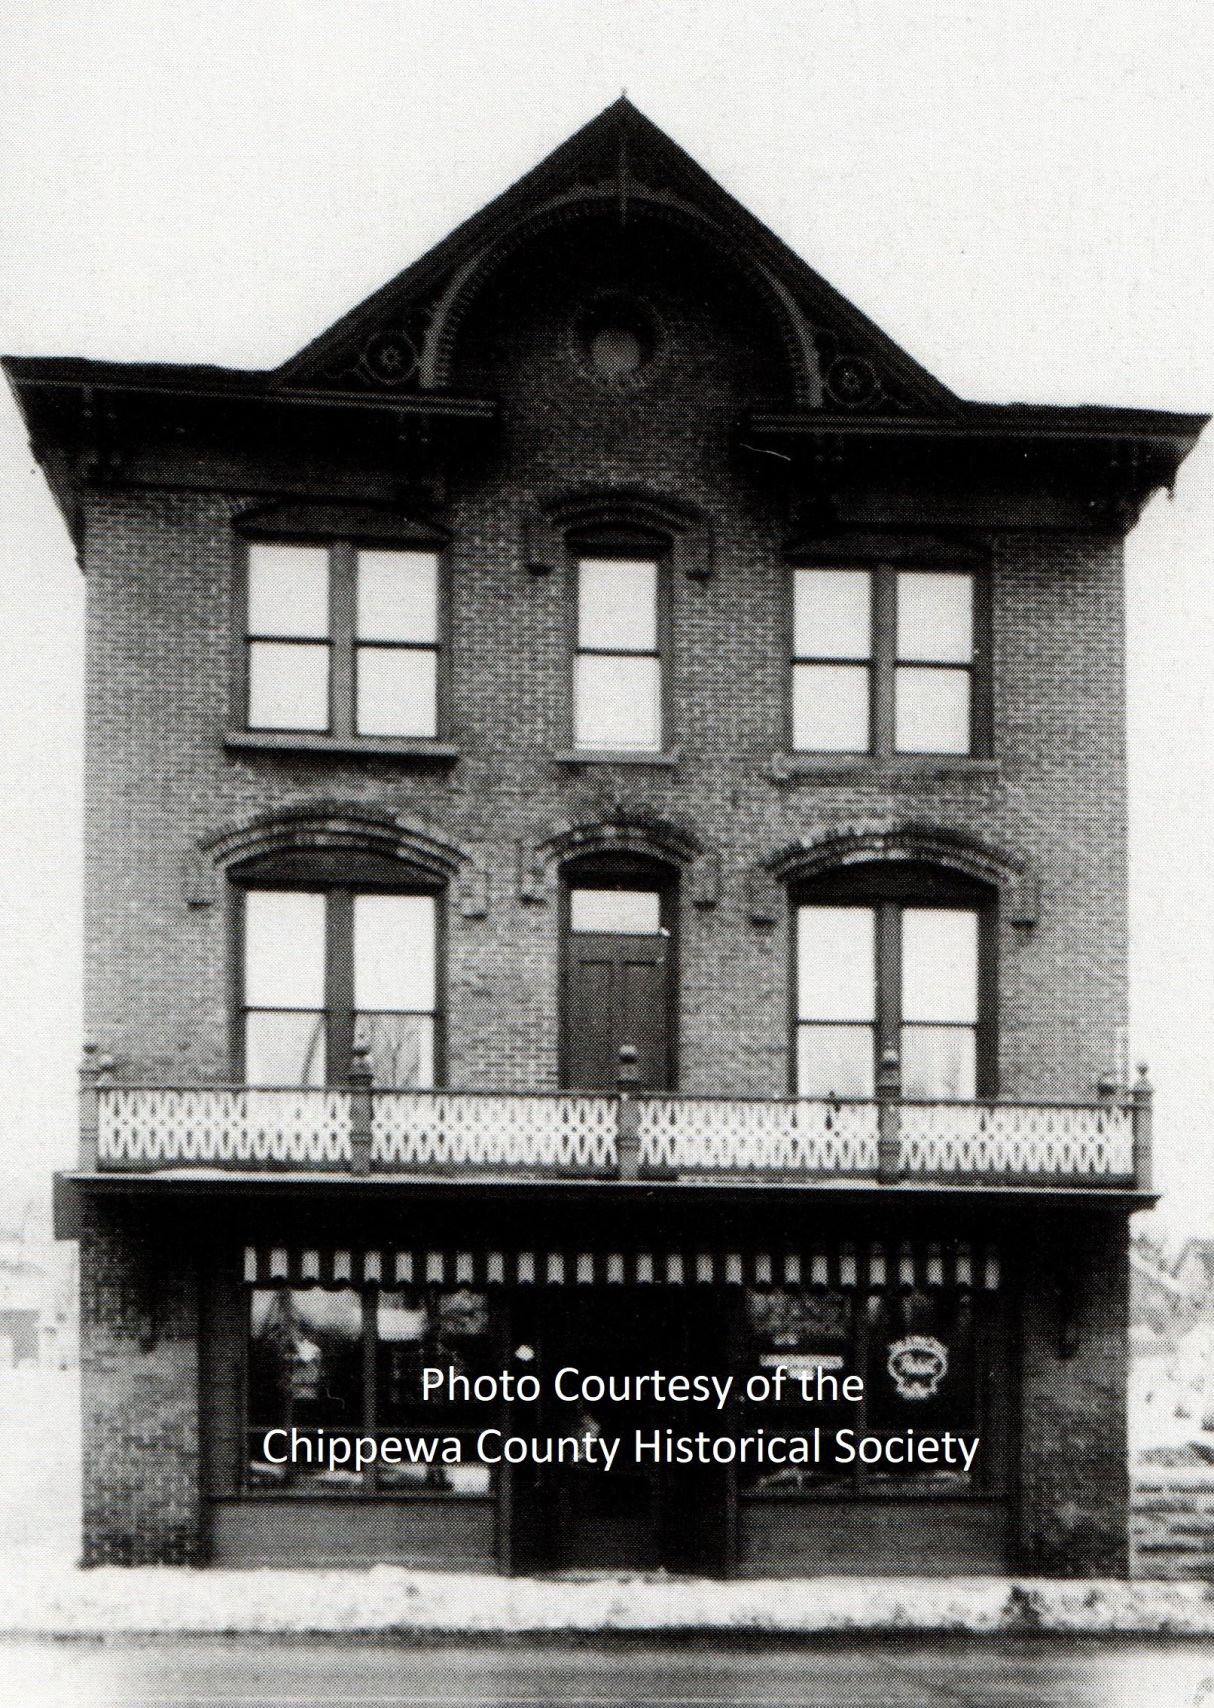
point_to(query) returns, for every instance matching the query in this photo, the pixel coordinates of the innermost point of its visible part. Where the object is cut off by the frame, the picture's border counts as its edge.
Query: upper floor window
(617, 667)
(323, 969)
(883, 661)
(342, 640)
(893, 959)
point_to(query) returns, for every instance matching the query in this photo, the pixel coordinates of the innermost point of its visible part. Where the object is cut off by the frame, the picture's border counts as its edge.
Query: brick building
(606, 848)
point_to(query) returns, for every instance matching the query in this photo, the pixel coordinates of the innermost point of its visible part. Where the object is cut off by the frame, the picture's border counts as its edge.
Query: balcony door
(618, 979)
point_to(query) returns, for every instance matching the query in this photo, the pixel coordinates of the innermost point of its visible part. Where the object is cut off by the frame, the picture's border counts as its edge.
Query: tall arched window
(334, 951)
(894, 957)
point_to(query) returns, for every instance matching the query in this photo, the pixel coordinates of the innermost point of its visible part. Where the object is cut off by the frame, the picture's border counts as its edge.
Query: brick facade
(139, 1385)
(1046, 811)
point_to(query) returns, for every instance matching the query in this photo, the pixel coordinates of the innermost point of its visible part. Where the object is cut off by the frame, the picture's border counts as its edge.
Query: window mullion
(884, 658)
(342, 665)
(339, 984)
(889, 979)
(370, 1360)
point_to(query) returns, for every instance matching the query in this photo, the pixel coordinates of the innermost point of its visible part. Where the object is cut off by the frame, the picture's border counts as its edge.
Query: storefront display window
(916, 1352)
(328, 1366)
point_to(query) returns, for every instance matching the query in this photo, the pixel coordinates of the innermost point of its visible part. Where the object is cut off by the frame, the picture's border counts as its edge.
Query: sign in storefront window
(802, 1331)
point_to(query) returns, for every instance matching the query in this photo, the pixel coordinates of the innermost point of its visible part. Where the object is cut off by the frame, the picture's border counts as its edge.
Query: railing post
(94, 1075)
(360, 1110)
(628, 1125)
(1141, 1108)
(889, 1117)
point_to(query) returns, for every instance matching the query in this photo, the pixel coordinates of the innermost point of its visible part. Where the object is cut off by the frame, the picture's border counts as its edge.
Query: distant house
(1158, 1300)
(37, 1297)
(1194, 1270)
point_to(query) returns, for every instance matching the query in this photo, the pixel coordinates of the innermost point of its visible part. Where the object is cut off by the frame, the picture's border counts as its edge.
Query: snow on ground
(390, 1600)
(39, 1468)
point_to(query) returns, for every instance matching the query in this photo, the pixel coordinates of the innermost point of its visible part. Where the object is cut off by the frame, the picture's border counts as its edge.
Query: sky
(1017, 192)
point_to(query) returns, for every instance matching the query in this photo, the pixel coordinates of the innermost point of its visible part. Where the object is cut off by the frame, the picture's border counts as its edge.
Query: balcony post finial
(627, 1132)
(1141, 1097)
(360, 1109)
(889, 1140)
(94, 1075)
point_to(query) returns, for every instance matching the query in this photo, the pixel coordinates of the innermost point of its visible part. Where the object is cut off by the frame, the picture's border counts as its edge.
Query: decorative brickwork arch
(327, 827)
(643, 837)
(469, 280)
(887, 843)
(683, 530)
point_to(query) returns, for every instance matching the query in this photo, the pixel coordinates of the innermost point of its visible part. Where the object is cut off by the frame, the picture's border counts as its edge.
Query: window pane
(832, 613)
(397, 596)
(617, 703)
(284, 1048)
(450, 1329)
(636, 913)
(394, 952)
(835, 1061)
(830, 708)
(810, 1334)
(305, 1371)
(289, 590)
(397, 691)
(935, 617)
(288, 686)
(836, 963)
(939, 964)
(618, 604)
(932, 713)
(284, 949)
(939, 1061)
(401, 1048)
(898, 1403)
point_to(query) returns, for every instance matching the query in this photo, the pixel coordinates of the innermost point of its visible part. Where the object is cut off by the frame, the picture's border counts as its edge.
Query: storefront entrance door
(638, 1513)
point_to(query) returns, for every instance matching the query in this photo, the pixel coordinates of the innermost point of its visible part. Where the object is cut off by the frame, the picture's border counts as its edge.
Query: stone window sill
(594, 756)
(419, 748)
(877, 768)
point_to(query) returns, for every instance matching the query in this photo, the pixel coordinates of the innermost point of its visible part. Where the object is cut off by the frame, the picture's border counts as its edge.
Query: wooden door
(618, 986)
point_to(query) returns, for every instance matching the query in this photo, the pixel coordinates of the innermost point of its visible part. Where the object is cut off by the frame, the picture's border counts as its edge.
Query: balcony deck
(569, 1135)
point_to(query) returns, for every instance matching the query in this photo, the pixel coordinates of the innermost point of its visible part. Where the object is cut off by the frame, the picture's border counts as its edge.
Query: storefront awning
(905, 1265)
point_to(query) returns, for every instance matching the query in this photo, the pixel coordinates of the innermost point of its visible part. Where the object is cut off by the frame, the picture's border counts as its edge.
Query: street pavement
(1038, 1671)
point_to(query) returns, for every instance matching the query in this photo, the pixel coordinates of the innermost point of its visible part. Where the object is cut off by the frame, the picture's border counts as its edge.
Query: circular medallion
(391, 358)
(851, 382)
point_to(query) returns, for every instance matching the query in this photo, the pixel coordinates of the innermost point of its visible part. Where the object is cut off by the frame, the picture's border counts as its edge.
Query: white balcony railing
(359, 1130)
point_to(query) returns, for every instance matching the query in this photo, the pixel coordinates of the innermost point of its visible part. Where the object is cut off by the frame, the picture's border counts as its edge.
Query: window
(342, 641)
(879, 971)
(833, 1332)
(883, 661)
(617, 668)
(346, 1361)
(325, 969)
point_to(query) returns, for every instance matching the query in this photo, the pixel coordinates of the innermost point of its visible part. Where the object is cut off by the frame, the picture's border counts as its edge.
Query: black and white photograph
(606, 821)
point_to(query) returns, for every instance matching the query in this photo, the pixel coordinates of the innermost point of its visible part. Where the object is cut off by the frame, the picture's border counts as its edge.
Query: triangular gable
(401, 338)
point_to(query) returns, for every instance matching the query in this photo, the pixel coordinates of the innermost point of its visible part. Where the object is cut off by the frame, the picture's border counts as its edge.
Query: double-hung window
(342, 640)
(884, 661)
(617, 667)
(889, 974)
(325, 969)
